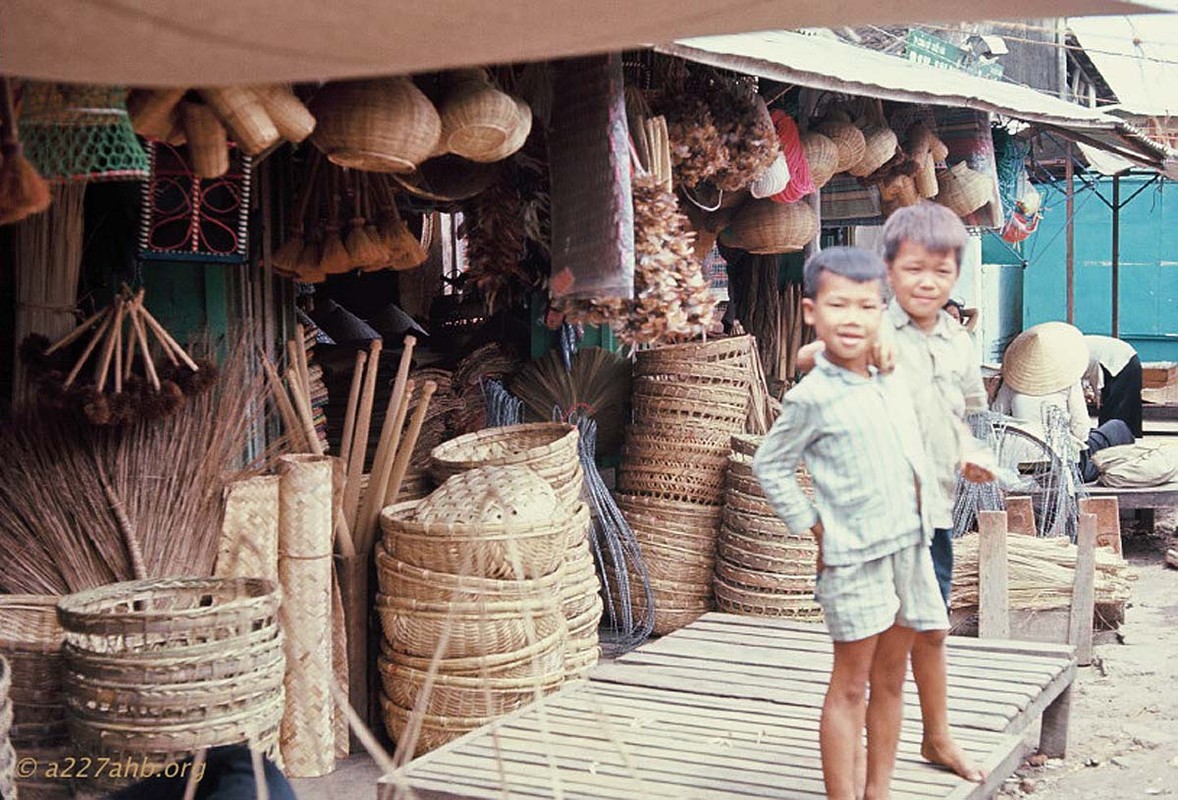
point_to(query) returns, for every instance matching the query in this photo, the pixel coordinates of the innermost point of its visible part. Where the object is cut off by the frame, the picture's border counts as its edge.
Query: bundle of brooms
(1040, 573)
(84, 506)
(119, 339)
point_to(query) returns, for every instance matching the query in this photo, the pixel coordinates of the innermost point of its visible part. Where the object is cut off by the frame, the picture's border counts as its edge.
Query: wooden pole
(359, 451)
(1070, 240)
(1083, 591)
(993, 583)
(345, 446)
(1116, 256)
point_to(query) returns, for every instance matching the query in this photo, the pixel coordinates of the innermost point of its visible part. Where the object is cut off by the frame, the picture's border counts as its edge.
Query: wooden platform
(728, 707)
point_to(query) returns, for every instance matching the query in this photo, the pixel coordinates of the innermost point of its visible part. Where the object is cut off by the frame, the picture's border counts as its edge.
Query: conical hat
(1045, 358)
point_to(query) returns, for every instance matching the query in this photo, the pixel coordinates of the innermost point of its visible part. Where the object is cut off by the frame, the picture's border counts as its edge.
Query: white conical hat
(1045, 358)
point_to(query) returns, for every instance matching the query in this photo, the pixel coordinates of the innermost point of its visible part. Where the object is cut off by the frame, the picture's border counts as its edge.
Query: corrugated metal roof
(824, 63)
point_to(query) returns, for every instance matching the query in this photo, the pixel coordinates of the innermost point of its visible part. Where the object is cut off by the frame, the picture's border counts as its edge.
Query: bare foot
(948, 754)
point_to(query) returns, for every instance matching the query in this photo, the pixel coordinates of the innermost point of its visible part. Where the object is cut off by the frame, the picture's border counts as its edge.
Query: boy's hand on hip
(816, 531)
(883, 356)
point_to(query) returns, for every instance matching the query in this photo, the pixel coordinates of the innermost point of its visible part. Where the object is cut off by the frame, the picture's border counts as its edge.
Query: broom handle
(167, 340)
(382, 467)
(138, 570)
(302, 405)
(141, 336)
(301, 352)
(292, 363)
(76, 333)
(108, 347)
(360, 436)
(285, 409)
(119, 354)
(409, 443)
(353, 399)
(90, 347)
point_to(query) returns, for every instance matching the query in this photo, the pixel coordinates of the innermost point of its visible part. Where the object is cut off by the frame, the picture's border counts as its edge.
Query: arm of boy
(776, 463)
(883, 355)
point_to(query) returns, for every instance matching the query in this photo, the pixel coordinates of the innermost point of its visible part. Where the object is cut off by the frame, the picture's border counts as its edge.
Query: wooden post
(1083, 591)
(1108, 520)
(993, 586)
(1070, 240)
(1116, 256)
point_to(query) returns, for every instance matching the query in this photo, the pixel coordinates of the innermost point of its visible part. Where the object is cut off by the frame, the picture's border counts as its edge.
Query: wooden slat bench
(728, 707)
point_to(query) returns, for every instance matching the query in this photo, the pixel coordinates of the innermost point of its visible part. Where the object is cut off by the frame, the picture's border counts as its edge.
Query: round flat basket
(674, 512)
(539, 658)
(167, 613)
(670, 411)
(732, 348)
(483, 550)
(700, 440)
(434, 731)
(774, 582)
(464, 696)
(791, 556)
(448, 179)
(733, 372)
(472, 629)
(747, 503)
(767, 527)
(749, 602)
(707, 395)
(680, 485)
(397, 578)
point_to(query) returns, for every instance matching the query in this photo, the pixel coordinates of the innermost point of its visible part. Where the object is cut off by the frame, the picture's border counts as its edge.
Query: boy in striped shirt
(856, 429)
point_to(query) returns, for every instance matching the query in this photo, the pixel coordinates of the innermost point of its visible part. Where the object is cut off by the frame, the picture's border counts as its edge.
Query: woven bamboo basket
(519, 133)
(476, 628)
(167, 614)
(581, 663)
(747, 504)
(749, 602)
(638, 456)
(742, 578)
(208, 145)
(583, 627)
(484, 550)
(375, 125)
(538, 658)
(685, 516)
(964, 190)
(434, 732)
(822, 156)
(159, 744)
(745, 444)
(579, 585)
(847, 138)
(677, 356)
(40, 787)
(241, 111)
(752, 554)
(547, 448)
(399, 579)
(464, 696)
(448, 179)
(292, 119)
(765, 227)
(702, 440)
(668, 411)
(692, 550)
(249, 531)
(676, 482)
(8, 767)
(478, 120)
(880, 144)
(731, 372)
(734, 396)
(762, 526)
(30, 639)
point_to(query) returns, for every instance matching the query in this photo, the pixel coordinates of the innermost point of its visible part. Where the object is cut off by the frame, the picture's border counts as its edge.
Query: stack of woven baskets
(762, 567)
(550, 450)
(30, 640)
(158, 669)
(688, 401)
(470, 603)
(7, 754)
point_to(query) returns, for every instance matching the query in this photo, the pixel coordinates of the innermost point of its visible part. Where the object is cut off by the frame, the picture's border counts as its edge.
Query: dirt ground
(1124, 719)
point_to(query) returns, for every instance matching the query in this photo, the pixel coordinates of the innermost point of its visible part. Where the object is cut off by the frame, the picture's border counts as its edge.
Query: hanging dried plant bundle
(73, 496)
(672, 298)
(496, 248)
(697, 148)
(749, 136)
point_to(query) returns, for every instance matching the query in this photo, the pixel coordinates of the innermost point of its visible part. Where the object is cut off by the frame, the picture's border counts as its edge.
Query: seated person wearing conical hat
(1042, 367)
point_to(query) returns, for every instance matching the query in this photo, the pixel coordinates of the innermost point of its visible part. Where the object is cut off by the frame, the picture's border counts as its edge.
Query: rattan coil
(434, 731)
(538, 658)
(471, 628)
(397, 578)
(483, 550)
(464, 696)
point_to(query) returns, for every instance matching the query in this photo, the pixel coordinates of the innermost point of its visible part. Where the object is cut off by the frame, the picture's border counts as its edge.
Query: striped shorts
(862, 600)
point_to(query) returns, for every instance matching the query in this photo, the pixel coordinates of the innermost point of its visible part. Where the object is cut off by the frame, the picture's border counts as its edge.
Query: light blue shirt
(861, 443)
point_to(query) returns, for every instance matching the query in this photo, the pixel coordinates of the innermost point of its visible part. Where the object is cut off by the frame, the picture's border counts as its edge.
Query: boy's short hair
(854, 263)
(929, 224)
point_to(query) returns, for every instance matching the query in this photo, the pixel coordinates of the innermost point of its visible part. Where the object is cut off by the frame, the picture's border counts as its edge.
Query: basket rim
(563, 519)
(78, 606)
(445, 452)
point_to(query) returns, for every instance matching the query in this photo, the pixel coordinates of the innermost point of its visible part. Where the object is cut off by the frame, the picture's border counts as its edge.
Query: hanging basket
(478, 120)
(764, 227)
(964, 190)
(879, 146)
(375, 125)
(847, 138)
(822, 154)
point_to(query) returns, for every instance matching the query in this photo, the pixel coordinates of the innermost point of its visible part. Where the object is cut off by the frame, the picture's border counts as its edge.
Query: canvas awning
(211, 42)
(823, 63)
